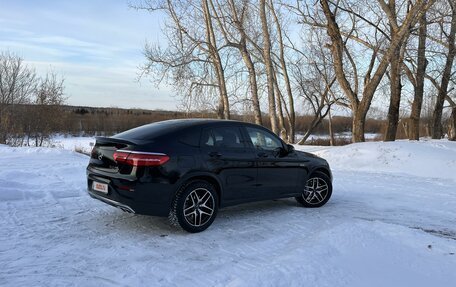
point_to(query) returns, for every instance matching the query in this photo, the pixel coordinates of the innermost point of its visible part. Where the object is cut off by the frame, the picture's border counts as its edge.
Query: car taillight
(140, 159)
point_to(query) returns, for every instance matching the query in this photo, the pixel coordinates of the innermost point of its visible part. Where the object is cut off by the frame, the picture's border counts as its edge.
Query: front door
(278, 173)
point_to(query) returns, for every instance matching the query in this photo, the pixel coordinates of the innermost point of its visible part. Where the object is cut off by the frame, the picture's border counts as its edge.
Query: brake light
(140, 159)
(120, 157)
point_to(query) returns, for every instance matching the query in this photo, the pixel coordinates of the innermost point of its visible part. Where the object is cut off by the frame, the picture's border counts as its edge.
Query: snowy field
(81, 144)
(391, 222)
(343, 135)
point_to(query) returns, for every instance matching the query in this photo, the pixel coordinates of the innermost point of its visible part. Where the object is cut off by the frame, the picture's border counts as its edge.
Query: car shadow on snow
(259, 213)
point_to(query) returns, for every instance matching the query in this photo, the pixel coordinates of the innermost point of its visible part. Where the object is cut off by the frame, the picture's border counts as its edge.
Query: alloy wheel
(199, 207)
(315, 191)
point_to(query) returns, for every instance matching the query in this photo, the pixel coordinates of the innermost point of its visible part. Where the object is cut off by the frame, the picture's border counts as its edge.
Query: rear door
(278, 174)
(225, 153)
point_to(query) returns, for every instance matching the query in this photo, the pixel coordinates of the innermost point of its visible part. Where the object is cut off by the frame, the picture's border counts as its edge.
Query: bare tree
(216, 59)
(191, 60)
(48, 99)
(418, 82)
(319, 101)
(291, 115)
(396, 64)
(452, 120)
(339, 50)
(437, 131)
(269, 66)
(314, 80)
(17, 86)
(235, 33)
(215, 46)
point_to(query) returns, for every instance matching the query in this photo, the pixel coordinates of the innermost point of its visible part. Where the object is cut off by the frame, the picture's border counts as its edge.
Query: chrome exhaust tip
(114, 203)
(125, 209)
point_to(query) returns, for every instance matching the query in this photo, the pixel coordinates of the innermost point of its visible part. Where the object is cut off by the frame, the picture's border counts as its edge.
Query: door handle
(215, 154)
(262, 154)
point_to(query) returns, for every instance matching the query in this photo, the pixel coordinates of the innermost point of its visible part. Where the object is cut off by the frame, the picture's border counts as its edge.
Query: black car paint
(239, 175)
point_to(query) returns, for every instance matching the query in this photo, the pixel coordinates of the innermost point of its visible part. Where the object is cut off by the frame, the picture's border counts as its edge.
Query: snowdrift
(425, 158)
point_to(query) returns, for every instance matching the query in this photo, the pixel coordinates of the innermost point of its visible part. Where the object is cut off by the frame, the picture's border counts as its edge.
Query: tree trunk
(220, 108)
(415, 114)
(359, 120)
(330, 127)
(452, 125)
(224, 104)
(315, 122)
(222, 87)
(2, 124)
(269, 69)
(395, 97)
(317, 119)
(405, 126)
(292, 115)
(395, 82)
(281, 118)
(253, 83)
(246, 57)
(437, 131)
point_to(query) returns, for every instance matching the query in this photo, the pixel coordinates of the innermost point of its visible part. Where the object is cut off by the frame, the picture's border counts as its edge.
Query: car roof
(182, 123)
(197, 121)
(171, 126)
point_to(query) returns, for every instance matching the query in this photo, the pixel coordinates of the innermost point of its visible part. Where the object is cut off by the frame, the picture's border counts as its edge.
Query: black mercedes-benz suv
(188, 169)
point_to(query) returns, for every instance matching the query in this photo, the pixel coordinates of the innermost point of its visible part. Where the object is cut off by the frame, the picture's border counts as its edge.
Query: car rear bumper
(133, 197)
(114, 203)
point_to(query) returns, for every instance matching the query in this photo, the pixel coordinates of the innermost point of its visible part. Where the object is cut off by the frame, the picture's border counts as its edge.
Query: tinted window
(262, 139)
(144, 132)
(226, 137)
(190, 137)
(154, 130)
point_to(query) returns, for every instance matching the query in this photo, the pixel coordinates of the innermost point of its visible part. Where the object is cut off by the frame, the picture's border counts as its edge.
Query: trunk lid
(102, 154)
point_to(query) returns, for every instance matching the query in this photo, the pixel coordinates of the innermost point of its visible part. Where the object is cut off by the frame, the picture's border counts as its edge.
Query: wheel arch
(205, 177)
(324, 170)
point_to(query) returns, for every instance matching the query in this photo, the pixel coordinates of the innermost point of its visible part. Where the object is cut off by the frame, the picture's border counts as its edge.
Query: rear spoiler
(105, 140)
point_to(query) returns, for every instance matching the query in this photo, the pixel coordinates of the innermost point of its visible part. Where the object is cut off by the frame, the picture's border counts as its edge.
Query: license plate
(101, 187)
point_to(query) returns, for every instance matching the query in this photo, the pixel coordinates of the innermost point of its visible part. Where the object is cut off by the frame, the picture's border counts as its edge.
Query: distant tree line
(29, 103)
(97, 121)
(278, 57)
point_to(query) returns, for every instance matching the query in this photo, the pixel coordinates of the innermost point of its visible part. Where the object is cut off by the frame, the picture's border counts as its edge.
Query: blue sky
(95, 44)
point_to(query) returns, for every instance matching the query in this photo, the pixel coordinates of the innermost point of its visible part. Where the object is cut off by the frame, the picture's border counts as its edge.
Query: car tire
(317, 190)
(194, 207)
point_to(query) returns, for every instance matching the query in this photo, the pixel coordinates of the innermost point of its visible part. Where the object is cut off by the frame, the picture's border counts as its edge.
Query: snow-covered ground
(391, 222)
(343, 135)
(81, 144)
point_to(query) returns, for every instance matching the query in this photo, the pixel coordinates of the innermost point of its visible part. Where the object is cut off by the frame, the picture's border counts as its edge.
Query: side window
(263, 140)
(190, 137)
(225, 137)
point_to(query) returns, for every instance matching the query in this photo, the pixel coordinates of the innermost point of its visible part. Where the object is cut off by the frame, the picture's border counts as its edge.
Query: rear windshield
(149, 131)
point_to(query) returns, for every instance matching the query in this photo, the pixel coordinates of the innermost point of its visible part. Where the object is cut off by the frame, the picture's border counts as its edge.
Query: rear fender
(199, 175)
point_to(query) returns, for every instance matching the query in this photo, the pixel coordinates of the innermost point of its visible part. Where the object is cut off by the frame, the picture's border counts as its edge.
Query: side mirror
(283, 151)
(290, 148)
